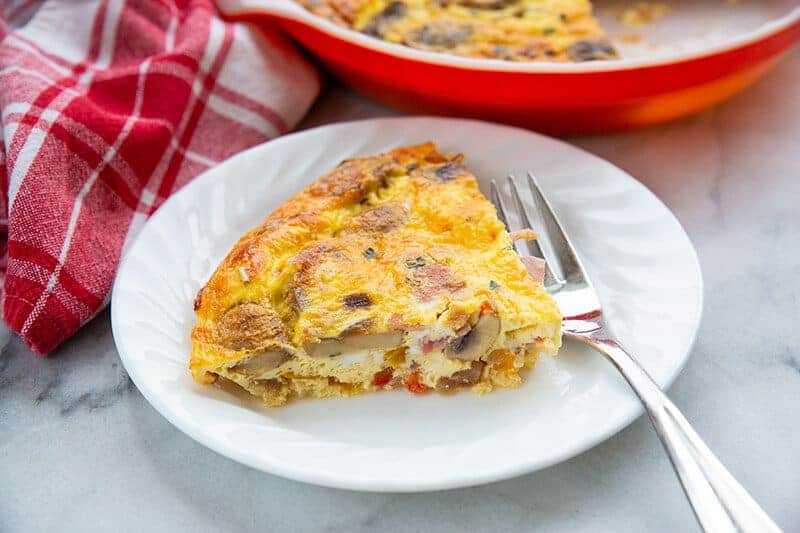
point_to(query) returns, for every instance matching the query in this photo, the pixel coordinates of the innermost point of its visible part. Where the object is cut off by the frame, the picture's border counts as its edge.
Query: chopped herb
(369, 253)
(411, 166)
(493, 285)
(415, 263)
(549, 30)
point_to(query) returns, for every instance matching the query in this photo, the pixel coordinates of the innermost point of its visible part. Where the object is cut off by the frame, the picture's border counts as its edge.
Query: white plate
(638, 256)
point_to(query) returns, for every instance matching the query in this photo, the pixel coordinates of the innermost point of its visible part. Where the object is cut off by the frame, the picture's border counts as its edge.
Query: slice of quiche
(391, 271)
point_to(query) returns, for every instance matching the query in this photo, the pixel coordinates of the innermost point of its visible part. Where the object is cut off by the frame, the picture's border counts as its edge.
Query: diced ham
(534, 266)
(523, 235)
(432, 279)
(427, 345)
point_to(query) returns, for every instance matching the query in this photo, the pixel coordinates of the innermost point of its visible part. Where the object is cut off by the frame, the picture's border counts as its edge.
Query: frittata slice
(514, 30)
(391, 271)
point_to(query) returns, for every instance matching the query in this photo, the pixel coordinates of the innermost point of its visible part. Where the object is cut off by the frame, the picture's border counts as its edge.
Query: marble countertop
(83, 451)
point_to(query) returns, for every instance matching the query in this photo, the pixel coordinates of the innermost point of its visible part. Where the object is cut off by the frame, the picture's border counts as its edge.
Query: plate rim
(325, 479)
(292, 11)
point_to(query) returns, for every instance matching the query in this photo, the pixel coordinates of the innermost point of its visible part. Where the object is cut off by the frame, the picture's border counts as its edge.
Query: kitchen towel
(108, 107)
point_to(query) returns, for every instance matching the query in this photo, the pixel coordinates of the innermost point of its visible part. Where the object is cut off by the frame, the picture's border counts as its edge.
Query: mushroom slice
(324, 348)
(439, 34)
(261, 362)
(387, 340)
(485, 4)
(477, 341)
(589, 50)
(378, 25)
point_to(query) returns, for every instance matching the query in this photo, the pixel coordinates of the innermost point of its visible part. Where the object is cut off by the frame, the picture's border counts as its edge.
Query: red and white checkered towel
(109, 106)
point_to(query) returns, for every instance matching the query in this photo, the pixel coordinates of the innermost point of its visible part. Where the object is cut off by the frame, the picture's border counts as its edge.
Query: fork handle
(719, 502)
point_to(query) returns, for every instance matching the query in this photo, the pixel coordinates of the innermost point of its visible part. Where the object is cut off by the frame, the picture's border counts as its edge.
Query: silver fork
(719, 502)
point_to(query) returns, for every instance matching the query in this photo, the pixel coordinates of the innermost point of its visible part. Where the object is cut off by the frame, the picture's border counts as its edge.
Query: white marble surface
(81, 450)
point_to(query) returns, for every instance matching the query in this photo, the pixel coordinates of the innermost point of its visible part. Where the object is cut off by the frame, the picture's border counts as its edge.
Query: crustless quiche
(391, 271)
(514, 30)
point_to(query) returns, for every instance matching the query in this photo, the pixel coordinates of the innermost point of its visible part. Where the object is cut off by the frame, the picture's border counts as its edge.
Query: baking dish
(697, 56)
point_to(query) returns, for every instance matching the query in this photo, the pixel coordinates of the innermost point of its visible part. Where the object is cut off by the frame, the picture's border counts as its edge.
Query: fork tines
(553, 246)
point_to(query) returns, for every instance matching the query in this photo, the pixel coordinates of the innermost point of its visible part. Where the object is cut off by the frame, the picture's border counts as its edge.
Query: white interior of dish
(690, 26)
(690, 29)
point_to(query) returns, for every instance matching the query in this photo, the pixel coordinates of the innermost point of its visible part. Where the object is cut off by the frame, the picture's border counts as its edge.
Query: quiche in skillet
(514, 30)
(391, 271)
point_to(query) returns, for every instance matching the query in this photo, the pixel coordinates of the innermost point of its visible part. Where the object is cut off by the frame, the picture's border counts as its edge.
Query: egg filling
(512, 30)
